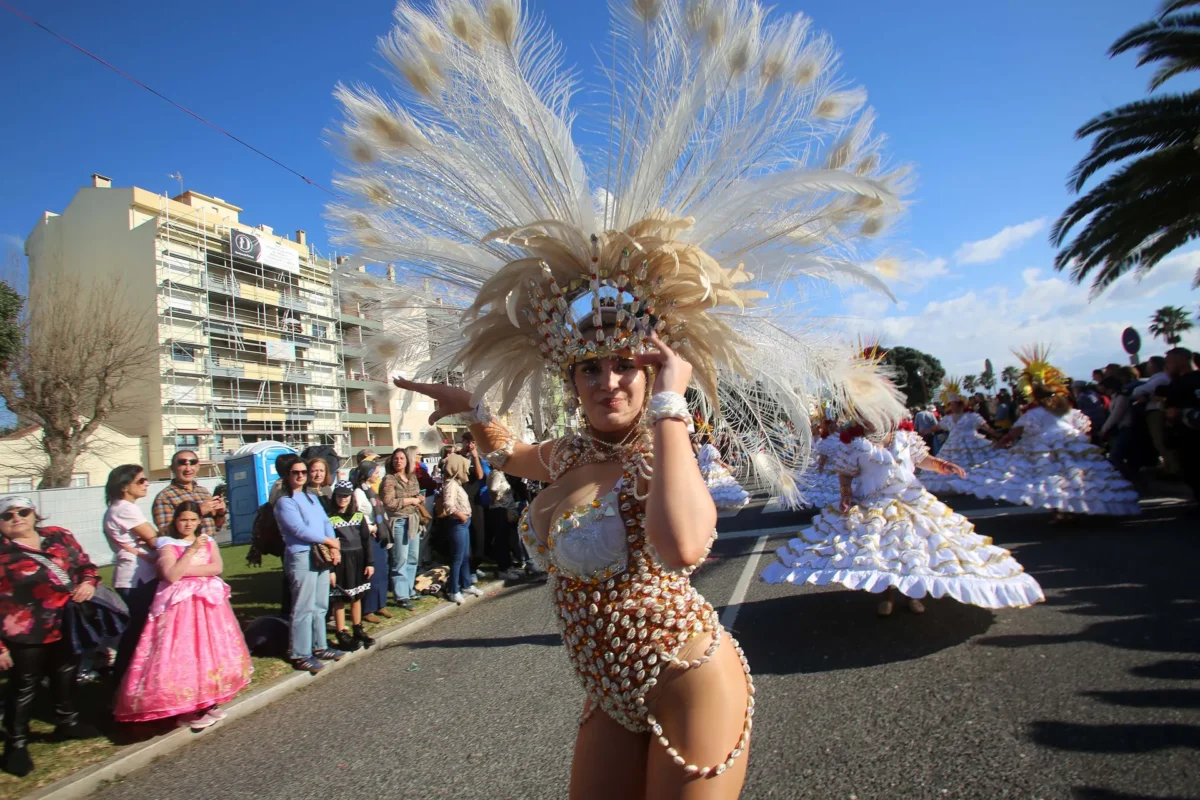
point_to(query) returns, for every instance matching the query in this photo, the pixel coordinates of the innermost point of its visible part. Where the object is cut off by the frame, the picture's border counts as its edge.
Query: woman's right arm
(524, 460)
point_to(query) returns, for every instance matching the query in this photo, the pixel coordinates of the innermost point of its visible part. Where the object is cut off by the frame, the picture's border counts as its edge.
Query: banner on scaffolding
(281, 351)
(258, 248)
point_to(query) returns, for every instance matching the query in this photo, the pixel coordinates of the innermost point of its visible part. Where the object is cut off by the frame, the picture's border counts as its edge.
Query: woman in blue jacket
(304, 525)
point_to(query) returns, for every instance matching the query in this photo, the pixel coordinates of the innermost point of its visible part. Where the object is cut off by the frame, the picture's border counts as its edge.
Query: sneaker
(196, 722)
(309, 664)
(916, 606)
(360, 637)
(406, 604)
(347, 642)
(330, 654)
(479, 575)
(456, 598)
(17, 761)
(475, 590)
(508, 575)
(884, 609)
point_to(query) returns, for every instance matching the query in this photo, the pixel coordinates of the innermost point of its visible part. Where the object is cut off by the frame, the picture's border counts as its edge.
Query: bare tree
(80, 360)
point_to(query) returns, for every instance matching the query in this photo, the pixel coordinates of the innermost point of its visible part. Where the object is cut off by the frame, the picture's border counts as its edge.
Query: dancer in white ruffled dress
(889, 533)
(964, 446)
(819, 486)
(726, 492)
(1049, 461)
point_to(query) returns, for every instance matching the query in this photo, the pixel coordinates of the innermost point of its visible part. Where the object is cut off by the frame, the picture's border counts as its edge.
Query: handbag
(320, 554)
(94, 622)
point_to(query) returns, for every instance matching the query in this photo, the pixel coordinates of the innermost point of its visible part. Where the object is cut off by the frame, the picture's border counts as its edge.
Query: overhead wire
(162, 96)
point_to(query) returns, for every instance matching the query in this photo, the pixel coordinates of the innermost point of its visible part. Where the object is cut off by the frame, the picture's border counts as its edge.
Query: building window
(405, 436)
(79, 480)
(183, 352)
(20, 484)
(186, 440)
(320, 331)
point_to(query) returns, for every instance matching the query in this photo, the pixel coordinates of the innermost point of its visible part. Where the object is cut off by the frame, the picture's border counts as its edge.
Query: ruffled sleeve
(847, 458)
(917, 449)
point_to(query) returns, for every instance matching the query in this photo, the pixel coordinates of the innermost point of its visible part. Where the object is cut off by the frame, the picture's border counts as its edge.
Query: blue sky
(982, 98)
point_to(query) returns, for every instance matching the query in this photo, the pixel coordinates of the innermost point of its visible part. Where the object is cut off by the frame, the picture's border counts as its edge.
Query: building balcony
(355, 416)
(349, 318)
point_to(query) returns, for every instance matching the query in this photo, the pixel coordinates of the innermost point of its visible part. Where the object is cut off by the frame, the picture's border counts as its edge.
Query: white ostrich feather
(728, 149)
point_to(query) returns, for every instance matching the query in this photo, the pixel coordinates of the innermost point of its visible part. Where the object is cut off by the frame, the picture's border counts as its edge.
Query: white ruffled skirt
(912, 542)
(1075, 478)
(725, 490)
(969, 452)
(819, 488)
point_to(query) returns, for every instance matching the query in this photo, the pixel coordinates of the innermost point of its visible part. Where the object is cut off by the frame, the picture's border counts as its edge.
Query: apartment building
(254, 342)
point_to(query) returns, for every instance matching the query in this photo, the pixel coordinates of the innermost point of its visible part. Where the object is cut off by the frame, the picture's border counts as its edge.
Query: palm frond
(1137, 127)
(1174, 40)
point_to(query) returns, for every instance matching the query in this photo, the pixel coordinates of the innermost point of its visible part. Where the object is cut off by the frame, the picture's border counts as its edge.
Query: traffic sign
(1131, 341)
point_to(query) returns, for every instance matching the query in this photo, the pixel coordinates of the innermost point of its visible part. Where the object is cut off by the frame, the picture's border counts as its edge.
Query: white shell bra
(587, 543)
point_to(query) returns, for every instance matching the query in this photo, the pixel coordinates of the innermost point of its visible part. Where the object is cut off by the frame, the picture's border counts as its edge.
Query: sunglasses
(9, 516)
(142, 480)
(187, 462)
(299, 472)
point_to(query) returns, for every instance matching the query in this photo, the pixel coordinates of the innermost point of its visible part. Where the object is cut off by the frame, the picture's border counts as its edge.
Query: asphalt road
(1093, 695)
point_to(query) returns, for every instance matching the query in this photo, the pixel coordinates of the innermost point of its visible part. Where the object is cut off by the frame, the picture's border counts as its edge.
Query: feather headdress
(732, 165)
(1038, 373)
(951, 390)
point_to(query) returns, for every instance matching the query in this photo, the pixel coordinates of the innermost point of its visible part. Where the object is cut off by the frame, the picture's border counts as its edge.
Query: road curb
(135, 757)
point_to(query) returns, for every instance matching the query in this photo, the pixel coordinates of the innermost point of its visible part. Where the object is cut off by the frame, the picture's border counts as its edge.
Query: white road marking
(773, 506)
(729, 615)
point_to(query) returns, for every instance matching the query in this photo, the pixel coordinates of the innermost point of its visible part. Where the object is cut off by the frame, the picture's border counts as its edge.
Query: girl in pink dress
(191, 656)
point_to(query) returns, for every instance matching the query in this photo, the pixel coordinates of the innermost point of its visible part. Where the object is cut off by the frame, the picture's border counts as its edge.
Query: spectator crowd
(164, 634)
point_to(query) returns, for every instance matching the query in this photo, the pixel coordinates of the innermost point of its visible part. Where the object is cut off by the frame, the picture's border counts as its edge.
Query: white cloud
(993, 248)
(964, 328)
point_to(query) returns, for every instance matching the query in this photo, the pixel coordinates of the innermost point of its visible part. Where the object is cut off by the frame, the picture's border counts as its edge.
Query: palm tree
(987, 379)
(1169, 323)
(1010, 375)
(969, 382)
(1149, 206)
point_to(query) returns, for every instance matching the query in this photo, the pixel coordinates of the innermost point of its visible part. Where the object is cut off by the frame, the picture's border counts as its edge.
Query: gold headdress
(737, 167)
(1039, 374)
(951, 390)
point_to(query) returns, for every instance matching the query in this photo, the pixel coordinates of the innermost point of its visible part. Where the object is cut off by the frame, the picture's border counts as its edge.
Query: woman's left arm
(680, 513)
(83, 571)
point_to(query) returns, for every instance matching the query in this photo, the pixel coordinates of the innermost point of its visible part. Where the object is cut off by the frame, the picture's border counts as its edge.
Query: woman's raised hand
(447, 400)
(674, 373)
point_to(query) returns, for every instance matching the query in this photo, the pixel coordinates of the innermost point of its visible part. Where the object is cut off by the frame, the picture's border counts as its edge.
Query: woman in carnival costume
(1048, 460)
(725, 490)
(964, 446)
(730, 146)
(888, 533)
(819, 486)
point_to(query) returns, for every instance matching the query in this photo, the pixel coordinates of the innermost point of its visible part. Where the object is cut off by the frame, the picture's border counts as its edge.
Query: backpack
(265, 536)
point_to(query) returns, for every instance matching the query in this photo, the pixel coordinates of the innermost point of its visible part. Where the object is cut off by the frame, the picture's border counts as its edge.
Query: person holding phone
(191, 657)
(185, 465)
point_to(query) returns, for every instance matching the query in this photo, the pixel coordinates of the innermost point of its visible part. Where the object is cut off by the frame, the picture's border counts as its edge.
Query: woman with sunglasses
(304, 524)
(131, 538)
(41, 570)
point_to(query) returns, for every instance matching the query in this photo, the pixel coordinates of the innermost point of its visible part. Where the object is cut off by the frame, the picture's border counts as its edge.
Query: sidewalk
(133, 757)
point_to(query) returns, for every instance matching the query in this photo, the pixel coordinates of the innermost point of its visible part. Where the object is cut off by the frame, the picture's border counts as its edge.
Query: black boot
(347, 642)
(361, 636)
(16, 760)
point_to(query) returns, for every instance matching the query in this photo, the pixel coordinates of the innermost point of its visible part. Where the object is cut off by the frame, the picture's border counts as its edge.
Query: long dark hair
(119, 480)
(184, 507)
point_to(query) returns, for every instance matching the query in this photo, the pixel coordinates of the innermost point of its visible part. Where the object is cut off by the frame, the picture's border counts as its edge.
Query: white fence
(81, 511)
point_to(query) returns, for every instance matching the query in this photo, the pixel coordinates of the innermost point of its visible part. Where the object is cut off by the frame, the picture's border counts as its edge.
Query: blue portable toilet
(249, 476)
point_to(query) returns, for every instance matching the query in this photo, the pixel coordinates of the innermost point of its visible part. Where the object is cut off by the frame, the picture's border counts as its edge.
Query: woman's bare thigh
(703, 713)
(609, 761)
